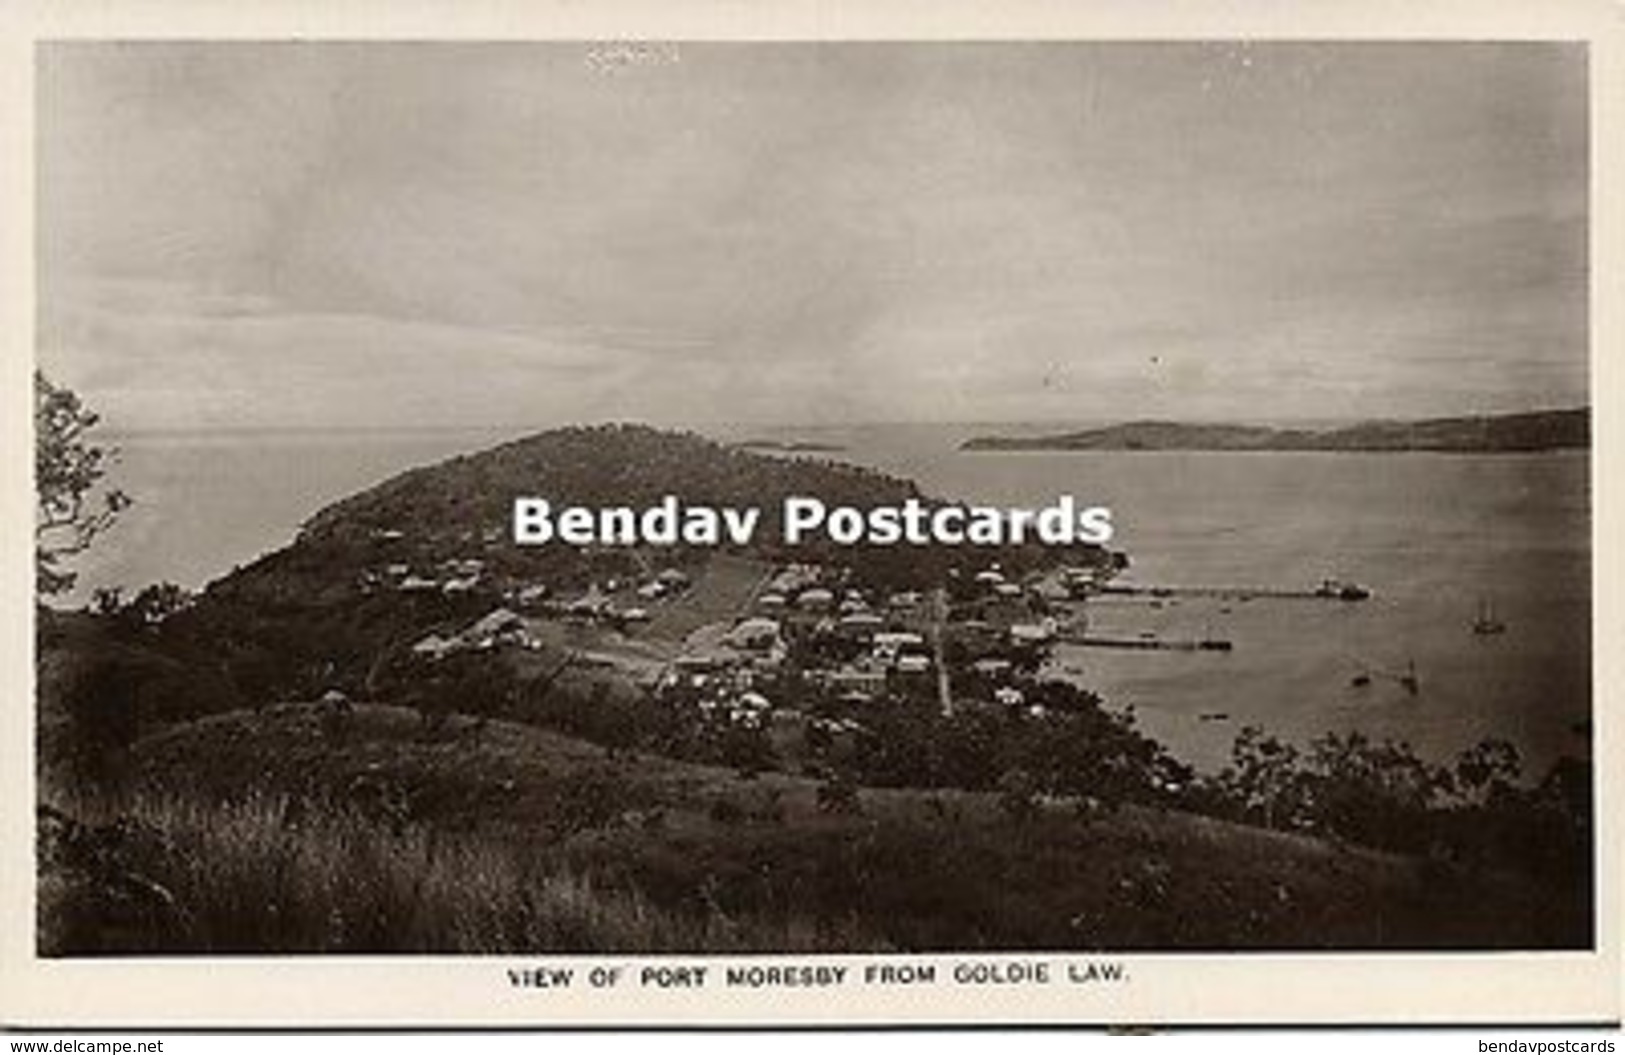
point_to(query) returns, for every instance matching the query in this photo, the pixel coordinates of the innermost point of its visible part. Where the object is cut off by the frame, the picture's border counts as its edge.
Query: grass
(164, 873)
(265, 834)
(720, 593)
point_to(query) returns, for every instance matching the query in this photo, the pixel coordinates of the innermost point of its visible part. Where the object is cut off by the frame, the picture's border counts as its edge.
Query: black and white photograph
(980, 506)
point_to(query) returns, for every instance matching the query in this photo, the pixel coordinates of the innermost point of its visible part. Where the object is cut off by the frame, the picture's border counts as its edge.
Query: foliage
(1077, 747)
(1381, 794)
(72, 508)
(1487, 771)
(1018, 795)
(144, 612)
(838, 794)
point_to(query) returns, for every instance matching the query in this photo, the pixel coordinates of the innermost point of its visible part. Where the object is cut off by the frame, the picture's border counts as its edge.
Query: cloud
(467, 233)
(167, 355)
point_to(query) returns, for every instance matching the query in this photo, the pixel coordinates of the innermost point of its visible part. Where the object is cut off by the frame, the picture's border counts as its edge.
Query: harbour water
(1434, 536)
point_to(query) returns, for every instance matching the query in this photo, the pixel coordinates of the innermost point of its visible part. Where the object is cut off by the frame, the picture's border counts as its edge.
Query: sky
(401, 235)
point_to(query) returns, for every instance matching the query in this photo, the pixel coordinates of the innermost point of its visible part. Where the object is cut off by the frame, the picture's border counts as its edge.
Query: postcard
(816, 514)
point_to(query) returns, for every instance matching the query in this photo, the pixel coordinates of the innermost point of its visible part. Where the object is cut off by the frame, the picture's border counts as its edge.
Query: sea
(1437, 538)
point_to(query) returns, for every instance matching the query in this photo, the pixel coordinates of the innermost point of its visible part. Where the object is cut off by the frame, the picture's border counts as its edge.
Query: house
(1032, 633)
(1008, 697)
(991, 667)
(860, 623)
(592, 603)
(416, 583)
(860, 679)
(788, 717)
(913, 663)
(703, 662)
(436, 647)
(501, 625)
(975, 634)
(757, 633)
(794, 577)
(816, 599)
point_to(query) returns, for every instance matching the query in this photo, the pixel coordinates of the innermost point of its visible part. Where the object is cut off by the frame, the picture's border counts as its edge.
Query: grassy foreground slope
(283, 831)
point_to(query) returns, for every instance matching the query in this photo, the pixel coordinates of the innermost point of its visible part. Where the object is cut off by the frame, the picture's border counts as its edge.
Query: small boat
(1342, 591)
(1486, 622)
(1360, 681)
(1412, 683)
(1208, 643)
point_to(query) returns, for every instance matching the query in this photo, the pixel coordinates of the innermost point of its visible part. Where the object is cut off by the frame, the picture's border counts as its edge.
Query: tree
(1264, 777)
(68, 469)
(145, 611)
(1018, 795)
(1487, 771)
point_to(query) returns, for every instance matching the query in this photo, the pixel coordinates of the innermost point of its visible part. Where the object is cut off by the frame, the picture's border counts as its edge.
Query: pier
(1330, 590)
(1149, 644)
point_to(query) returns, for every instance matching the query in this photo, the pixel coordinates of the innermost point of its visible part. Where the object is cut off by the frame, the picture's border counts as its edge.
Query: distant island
(1543, 430)
(790, 446)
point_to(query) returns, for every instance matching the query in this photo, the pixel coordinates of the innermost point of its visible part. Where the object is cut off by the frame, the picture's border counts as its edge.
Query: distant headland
(1542, 430)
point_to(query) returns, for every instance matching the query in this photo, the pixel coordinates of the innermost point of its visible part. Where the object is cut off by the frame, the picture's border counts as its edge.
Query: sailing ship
(1412, 683)
(1486, 622)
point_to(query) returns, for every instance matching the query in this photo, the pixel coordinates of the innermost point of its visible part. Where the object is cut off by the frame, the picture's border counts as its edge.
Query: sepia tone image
(1308, 321)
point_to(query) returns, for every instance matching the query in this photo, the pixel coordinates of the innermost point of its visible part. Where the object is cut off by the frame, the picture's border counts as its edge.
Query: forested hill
(602, 466)
(1499, 433)
(462, 509)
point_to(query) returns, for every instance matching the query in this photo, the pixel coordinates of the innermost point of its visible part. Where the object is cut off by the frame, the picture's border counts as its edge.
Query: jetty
(1329, 590)
(1149, 644)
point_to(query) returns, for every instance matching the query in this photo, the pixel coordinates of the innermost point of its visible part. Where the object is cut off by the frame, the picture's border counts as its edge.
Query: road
(939, 619)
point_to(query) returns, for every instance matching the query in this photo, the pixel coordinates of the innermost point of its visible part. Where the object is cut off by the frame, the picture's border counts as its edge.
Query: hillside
(462, 509)
(1503, 433)
(342, 599)
(612, 465)
(597, 747)
(646, 853)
